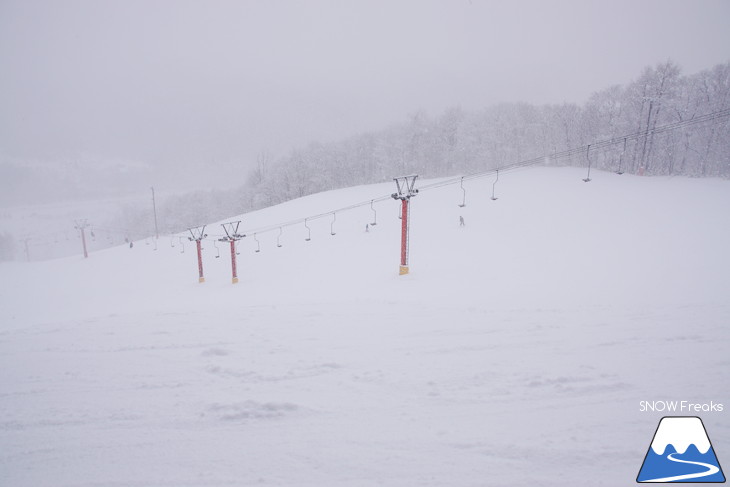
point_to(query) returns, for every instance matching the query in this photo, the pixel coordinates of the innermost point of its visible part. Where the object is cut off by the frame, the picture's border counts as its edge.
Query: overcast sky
(163, 82)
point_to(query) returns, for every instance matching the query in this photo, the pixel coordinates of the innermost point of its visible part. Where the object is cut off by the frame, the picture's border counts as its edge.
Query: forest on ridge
(460, 141)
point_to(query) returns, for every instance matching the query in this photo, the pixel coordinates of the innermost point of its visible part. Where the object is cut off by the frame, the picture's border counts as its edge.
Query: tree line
(460, 141)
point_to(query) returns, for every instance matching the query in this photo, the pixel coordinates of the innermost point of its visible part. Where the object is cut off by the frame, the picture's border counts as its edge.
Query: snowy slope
(680, 433)
(515, 352)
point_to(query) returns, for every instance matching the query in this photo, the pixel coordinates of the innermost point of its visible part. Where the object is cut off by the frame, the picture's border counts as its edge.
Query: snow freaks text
(680, 407)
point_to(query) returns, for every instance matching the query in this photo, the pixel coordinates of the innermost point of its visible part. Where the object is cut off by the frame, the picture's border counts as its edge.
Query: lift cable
(594, 148)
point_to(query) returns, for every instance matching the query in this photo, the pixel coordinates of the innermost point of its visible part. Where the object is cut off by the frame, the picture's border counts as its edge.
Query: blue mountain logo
(681, 452)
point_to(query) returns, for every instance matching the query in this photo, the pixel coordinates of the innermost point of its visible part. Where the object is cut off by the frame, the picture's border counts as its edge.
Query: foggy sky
(205, 82)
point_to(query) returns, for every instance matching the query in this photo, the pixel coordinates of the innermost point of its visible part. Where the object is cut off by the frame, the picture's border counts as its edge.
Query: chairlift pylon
(309, 231)
(463, 200)
(494, 198)
(375, 215)
(588, 177)
(620, 158)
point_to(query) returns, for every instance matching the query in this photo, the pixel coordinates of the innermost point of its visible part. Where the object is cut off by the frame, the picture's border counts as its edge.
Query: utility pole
(81, 225)
(197, 234)
(154, 211)
(232, 236)
(406, 191)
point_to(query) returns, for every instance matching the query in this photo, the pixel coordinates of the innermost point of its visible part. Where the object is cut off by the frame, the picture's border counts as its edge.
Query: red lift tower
(232, 236)
(197, 235)
(406, 190)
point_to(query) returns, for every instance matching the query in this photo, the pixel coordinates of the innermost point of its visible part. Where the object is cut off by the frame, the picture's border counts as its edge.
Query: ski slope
(515, 352)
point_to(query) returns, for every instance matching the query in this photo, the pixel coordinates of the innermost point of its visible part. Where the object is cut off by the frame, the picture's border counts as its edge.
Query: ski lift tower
(81, 225)
(406, 190)
(232, 236)
(198, 234)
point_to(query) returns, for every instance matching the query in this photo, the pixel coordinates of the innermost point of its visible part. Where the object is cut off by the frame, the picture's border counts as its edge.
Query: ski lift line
(659, 130)
(600, 146)
(118, 234)
(110, 229)
(299, 221)
(664, 128)
(117, 231)
(711, 117)
(510, 167)
(595, 147)
(216, 236)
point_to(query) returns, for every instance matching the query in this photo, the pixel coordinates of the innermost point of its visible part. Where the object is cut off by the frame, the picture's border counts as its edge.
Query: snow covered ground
(50, 228)
(515, 353)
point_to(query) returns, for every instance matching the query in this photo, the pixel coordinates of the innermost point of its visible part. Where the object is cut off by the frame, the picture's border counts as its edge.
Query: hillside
(515, 353)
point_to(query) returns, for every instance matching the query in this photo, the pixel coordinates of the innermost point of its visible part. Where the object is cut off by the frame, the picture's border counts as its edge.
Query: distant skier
(461, 221)
(367, 227)
(131, 244)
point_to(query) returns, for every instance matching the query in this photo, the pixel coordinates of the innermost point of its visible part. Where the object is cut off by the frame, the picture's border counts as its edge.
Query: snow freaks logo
(679, 407)
(680, 452)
